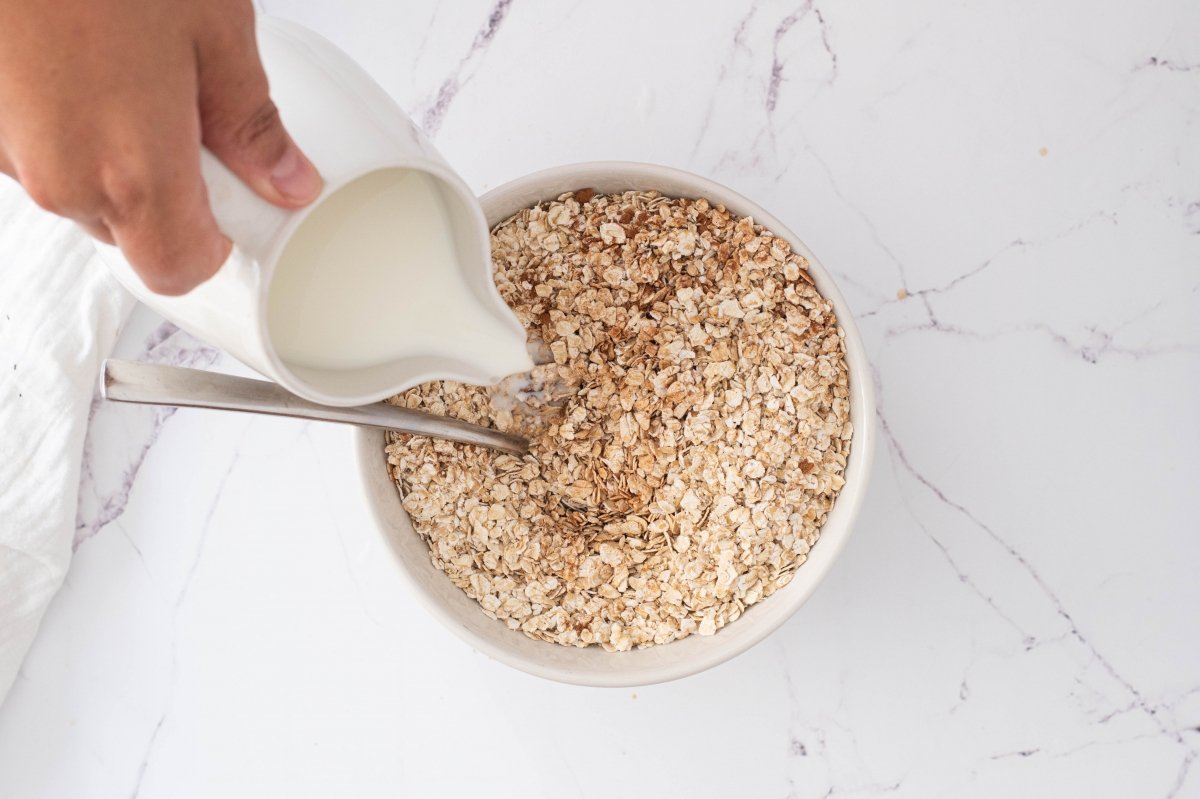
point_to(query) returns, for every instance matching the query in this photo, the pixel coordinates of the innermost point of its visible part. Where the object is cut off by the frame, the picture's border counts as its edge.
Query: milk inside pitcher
(373, 275)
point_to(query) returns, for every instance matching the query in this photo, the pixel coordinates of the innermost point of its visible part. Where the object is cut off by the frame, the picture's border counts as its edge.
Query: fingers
(153, 206)
(154, 199)
(240, 124)
(70, 204)
(167, 231)
(94, 227)
(156, 211)
(109, 129)
(97, 230)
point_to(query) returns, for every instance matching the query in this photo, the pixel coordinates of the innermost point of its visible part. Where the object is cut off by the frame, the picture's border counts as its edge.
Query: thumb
(241, 125)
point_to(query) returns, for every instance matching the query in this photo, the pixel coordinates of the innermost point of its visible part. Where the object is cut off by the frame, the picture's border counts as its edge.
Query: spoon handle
(156, 384)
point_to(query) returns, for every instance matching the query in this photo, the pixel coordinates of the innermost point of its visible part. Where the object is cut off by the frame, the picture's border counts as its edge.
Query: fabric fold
(60, 314)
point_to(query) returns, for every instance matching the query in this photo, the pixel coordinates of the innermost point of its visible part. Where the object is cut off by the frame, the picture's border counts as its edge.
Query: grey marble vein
(197, 555)
(1151, 710)
(1172, 65)
(738, 45)
(431, 120)
(165, 344)
(775, 78)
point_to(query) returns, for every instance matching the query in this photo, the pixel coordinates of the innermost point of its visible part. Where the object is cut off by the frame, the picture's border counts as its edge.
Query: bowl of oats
(700, 420)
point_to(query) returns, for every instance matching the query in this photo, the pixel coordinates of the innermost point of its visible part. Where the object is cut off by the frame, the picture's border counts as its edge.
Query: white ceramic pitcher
(349, 128)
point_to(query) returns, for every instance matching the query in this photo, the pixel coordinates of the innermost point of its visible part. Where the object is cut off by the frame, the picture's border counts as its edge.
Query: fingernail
(295, 178)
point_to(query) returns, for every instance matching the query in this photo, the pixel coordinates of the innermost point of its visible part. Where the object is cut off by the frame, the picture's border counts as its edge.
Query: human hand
(104, 105)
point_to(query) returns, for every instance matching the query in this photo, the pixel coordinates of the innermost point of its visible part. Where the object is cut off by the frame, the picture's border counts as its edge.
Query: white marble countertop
(1010, 196)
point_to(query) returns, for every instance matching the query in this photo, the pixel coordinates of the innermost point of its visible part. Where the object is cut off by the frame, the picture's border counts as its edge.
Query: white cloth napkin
(60, 312)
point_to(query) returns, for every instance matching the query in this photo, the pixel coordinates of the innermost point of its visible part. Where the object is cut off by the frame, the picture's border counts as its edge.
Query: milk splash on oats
(372, 276)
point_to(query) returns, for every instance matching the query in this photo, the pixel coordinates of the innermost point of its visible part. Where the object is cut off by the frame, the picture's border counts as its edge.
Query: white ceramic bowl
(593, 665)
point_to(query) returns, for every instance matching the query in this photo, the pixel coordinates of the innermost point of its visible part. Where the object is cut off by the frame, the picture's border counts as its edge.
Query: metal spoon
(155, 384)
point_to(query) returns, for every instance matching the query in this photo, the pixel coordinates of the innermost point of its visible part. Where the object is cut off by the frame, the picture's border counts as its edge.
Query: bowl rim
(851, 497)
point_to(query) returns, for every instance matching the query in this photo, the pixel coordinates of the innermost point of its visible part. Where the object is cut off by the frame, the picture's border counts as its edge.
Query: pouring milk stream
(384, 282)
